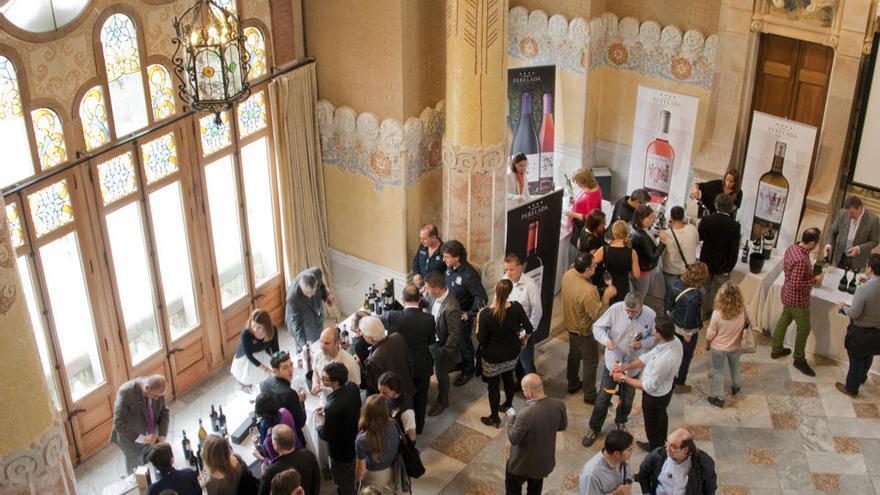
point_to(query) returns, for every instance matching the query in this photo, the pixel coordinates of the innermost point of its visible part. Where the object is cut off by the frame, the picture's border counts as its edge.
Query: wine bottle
(852, 284)
(545, 180)
(659, 159)
(526, 141)
(616, 388)
(770, 202)
(221, 419)
(843, 284)
(213, 416)
(534, 267)
(745, 252)
(187, 449)
(568, 187)
(202, 433)
(366, 301)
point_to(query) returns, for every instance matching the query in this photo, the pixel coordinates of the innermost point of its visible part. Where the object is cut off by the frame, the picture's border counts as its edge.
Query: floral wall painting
(821, 12)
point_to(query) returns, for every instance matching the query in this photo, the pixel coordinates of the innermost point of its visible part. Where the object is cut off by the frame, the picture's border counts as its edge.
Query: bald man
(329, 350)
(532, 435)
(140, 418)
(678, 468)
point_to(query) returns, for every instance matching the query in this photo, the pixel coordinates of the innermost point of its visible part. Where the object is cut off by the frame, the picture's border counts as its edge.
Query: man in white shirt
(659, 367)
(678, 468)
(328, 351)
(526, 292)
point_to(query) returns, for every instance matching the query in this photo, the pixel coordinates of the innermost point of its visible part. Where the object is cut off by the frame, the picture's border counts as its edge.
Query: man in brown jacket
(532, 435)
(582, 306)
(390, 353)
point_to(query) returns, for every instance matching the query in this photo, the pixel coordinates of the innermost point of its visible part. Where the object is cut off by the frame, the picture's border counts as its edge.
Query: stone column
(475, 142)
(33, 452)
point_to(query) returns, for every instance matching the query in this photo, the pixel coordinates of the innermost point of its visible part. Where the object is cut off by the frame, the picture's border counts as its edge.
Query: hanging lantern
(213, 65)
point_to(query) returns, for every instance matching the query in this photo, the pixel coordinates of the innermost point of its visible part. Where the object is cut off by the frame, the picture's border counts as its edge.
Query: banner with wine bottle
(530, 93)
(663, 135)
(533, 235)
(775, 179)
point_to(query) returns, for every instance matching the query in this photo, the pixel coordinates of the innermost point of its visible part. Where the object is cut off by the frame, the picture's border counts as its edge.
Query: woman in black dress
(705, 192)
(501, 330)
(619, 259)
(645, 247)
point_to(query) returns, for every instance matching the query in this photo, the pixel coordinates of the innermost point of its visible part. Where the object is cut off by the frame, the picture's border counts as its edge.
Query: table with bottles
(828, 326)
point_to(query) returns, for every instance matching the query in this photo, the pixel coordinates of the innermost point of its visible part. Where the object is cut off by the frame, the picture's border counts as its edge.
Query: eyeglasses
(281, 356)
(672, 446)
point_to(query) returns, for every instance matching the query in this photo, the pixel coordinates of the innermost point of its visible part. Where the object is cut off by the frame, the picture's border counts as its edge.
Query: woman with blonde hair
(724, 337)
(502, 328)
(687, 307)
(258, 342)
(620, 259)
(376, 447)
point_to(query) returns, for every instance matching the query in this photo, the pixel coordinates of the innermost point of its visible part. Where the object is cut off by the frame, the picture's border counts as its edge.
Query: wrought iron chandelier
(213, 65)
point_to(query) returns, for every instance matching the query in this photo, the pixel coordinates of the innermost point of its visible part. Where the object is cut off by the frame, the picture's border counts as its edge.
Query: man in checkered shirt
(796, 289)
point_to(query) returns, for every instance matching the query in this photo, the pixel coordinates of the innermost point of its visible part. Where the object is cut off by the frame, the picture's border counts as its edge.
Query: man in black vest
(720, 234)
(337, 424)
(417, 327)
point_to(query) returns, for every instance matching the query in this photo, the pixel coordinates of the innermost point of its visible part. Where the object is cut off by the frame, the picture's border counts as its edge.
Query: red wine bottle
(547, 131)
(659, 159)
(534, 267)
(526, 141)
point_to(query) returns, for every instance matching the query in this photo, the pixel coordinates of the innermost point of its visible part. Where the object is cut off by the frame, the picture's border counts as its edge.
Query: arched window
(161, 92)
(122, 63)
(93, 115)
(17, 160)
(49, 137)
(255, 44)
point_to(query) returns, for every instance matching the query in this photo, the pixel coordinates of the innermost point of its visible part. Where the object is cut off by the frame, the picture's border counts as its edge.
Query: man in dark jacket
(304, 313)
(678, 465)
(278, 386)
(303, 460)
(337, 424)
(532, 435)
(389, 353)
(140, 418)
(465, 283)
(446, 349)
(720, 234)
(417, 327)
(626, 206)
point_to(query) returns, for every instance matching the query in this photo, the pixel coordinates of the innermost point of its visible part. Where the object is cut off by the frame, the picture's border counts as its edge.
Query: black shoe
(644, 445)
(574, 388)
(507, 405)
(490, 421)
(590, 400)
(463, 378)
(590, 438)
(778, 353)
(717, 402)
(734, 390)
(621, 426)
(803, 367)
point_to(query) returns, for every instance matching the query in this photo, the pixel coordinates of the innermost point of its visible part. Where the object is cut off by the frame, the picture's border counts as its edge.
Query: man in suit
(853, 234)
(278, 386)
(303, 460)
(337, 424)
(417, 327)
(445, 349)
(720, 234)
(140, 418)
(862, 339)
(532, 435)
(389, 353)
(304, 313)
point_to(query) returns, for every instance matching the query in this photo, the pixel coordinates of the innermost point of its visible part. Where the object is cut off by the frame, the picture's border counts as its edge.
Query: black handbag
(407, 451)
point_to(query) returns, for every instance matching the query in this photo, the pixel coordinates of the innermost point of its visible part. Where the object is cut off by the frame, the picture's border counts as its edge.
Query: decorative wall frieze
(474, 160)
(385, 151)
(44, 467)
(622, 44)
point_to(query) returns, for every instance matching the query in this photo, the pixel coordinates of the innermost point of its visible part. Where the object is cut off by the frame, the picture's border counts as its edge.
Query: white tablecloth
(828, 326)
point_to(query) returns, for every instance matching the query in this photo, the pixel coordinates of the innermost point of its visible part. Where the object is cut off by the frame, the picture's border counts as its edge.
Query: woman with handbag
(724, 337)
(501, 330)
(376, 446)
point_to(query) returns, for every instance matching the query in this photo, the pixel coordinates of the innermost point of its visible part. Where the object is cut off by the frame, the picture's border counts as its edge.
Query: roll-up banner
(530, 92)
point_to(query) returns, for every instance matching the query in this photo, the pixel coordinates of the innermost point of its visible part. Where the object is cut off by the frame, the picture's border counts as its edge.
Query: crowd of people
(375, 386)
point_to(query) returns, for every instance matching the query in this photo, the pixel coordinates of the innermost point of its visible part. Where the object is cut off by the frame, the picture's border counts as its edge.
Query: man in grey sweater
(532, 435)
(862, 339)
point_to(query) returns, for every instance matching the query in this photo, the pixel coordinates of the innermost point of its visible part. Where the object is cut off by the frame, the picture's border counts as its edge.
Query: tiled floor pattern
(784, 433)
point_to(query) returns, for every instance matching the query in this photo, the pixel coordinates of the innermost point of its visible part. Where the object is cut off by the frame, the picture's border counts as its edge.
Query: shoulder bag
(680, 251)
(748, 344)
(408, 452)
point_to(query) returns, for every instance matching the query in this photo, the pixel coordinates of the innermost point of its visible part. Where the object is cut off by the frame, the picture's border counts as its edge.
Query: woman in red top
(588, 199)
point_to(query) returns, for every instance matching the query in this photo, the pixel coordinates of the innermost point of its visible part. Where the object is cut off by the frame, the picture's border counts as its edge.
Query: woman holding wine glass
(619, 258)
(647, 250)
(517, 185)
(588, 199)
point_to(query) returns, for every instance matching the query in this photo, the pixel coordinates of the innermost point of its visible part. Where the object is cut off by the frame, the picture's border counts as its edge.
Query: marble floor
(785, 433)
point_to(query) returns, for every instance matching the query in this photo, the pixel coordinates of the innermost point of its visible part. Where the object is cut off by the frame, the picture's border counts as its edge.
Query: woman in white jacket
(517, 185)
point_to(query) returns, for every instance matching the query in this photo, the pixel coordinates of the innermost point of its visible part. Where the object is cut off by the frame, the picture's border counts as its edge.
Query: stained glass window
(13, 216)
(215, 137)
(123, 65)
(252, 114)
(228, 5)
(160, 157)
(51, 207)
(255, 44)
(49, 135)
(17, 161)
(117, 178)
(161, 91)
(93, 115)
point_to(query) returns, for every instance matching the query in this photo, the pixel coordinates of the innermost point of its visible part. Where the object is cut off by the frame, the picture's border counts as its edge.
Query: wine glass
(606, 277)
